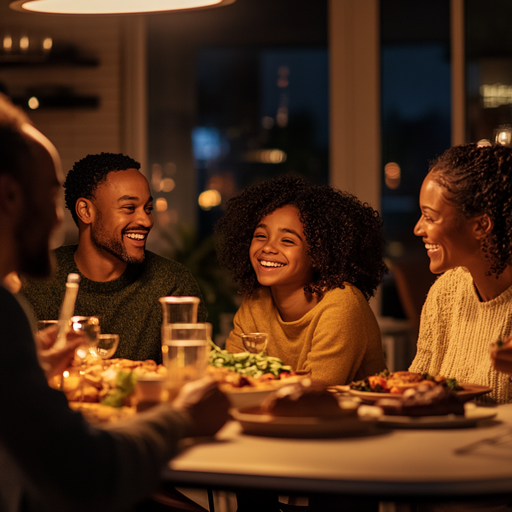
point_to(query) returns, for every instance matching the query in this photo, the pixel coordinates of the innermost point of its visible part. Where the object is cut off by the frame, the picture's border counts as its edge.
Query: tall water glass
(179, 310)
(187, 348)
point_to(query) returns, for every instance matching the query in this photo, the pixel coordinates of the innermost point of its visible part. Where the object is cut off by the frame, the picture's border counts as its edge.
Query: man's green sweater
(127, 306)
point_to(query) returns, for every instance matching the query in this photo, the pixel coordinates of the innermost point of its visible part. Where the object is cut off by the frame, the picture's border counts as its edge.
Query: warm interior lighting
(161, 204)
(209, 199)
(392, 174)
(47, 43)
(112, 6)
(266, 156)
(24, 43)
(167, 185)
(7, 43)
(33, 103)
(495, 95)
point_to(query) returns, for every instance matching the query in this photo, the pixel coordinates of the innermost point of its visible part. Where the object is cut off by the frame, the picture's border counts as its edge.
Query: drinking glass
(179, 310)
(90, 327)
(186, 349)
(106, 346)
(255, 342)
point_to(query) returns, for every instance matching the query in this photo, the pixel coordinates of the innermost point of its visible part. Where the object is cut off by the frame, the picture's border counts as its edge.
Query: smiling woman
(307, 259)
(466, 225)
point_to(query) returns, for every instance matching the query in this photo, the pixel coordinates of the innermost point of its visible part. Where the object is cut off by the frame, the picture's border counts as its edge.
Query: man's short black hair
(89, 172)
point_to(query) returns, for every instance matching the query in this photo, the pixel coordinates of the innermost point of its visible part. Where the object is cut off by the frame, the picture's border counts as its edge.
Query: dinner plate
(472, 416)
(255, 423)
(468, 392)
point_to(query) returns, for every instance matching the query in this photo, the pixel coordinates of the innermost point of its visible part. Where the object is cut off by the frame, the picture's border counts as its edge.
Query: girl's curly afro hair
(478, 179)
(344, 235)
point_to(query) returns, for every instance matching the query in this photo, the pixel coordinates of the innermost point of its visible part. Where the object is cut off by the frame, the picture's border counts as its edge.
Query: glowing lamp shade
(112, 6)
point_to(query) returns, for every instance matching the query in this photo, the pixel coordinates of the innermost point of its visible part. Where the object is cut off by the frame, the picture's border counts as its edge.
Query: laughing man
(121, 281)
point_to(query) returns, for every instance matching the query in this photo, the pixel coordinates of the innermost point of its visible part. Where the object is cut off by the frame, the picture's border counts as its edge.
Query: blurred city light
(392, 175)
(209, 199)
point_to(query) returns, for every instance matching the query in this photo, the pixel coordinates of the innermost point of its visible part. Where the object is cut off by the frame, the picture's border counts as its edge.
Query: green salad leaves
(245, 363)
(125, 386)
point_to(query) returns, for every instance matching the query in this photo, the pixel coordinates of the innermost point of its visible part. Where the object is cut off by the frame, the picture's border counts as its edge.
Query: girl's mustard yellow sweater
(338, 340)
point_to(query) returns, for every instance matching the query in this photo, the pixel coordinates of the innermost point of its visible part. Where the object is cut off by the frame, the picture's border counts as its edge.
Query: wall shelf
(57, 102)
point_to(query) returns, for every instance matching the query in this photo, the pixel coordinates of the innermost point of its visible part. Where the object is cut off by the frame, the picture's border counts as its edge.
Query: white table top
(392, 463)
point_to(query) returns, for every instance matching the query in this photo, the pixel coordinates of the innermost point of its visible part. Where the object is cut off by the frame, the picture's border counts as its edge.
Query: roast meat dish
(424, 400)
(302, 399)
(398, 382)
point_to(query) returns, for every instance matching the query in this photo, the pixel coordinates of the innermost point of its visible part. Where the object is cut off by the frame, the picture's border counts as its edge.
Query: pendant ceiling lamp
(112, 6)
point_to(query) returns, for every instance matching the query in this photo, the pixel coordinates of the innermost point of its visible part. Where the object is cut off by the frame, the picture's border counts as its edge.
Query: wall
(118, 125)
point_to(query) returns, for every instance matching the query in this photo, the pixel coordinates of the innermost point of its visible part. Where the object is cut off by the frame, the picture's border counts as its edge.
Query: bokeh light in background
(161, 204)
(503, 135)
(392, 175)
(209, 199)
(167, 185)
(33, 103)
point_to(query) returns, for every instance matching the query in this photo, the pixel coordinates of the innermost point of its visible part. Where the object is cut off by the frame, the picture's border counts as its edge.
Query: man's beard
(102, 240)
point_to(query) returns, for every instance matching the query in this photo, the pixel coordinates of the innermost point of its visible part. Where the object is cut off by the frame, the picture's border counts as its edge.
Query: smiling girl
(466, 226)
(307, 259)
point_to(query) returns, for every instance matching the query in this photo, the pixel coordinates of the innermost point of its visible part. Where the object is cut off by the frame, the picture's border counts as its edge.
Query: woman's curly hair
(89, 172)
(343, 235)
(478, 179)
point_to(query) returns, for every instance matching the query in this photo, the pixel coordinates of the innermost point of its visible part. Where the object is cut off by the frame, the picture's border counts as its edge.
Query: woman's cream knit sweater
(456, 331)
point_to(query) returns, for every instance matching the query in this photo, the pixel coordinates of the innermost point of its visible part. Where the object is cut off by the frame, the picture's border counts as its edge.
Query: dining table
(388, 464)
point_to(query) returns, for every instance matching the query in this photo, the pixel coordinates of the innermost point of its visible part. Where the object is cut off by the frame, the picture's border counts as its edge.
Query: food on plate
(424, 400)
(302, 399)
(248, 364)
(231, 381)
(398, 382)
(111, 381)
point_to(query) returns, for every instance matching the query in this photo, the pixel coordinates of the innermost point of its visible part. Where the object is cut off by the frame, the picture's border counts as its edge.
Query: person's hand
(55, 361)
(501, 358)
(205, 404)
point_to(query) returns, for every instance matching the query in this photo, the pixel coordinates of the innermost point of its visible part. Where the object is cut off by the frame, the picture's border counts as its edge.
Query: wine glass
(186, 350)
(255, 342)
(90, 327)
(43, 324)
(106, 346)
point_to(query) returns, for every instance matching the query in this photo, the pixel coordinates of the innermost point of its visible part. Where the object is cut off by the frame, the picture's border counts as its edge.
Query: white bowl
(246, 397)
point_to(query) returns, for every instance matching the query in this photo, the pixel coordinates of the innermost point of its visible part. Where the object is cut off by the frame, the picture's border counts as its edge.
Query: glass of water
(185, 348)
(179, 310)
